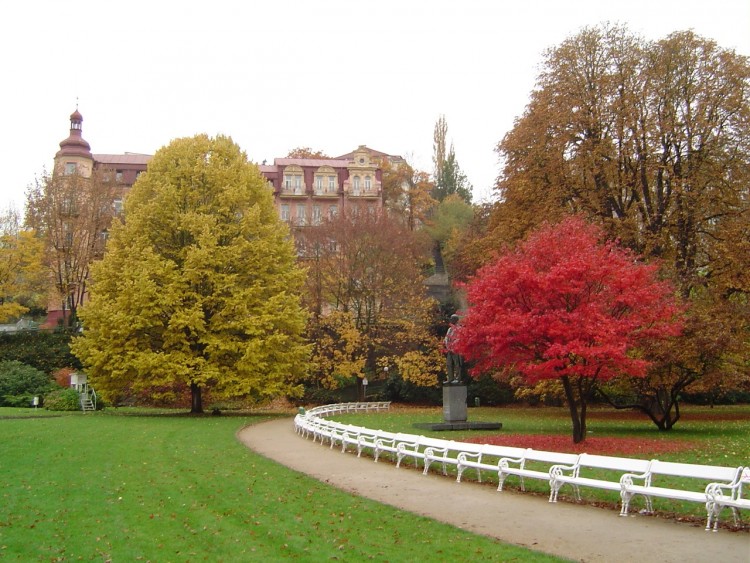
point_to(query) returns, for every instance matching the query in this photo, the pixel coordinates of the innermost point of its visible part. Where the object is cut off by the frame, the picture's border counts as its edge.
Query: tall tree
(200, 286)
(439, 148)
(72, 215)
(565, 305)
(368, 265)
(649, 139)
(448, 176)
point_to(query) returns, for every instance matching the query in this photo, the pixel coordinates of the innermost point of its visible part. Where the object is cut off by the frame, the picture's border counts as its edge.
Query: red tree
(565, 305)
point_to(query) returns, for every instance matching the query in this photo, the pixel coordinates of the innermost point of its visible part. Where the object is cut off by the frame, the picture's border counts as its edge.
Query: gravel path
(578, 532)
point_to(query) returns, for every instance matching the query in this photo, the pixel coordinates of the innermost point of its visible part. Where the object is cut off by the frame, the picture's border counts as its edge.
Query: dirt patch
(592, 445)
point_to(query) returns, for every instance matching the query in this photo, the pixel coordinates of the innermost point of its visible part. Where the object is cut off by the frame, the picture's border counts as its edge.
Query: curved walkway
(578, 532)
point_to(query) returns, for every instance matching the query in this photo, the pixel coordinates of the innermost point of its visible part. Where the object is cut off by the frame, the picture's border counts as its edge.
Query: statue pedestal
(454, 412)
(454, 403)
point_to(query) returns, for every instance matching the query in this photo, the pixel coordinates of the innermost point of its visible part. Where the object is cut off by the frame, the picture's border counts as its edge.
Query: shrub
(46, 351)
(19, 383)
(63, 400)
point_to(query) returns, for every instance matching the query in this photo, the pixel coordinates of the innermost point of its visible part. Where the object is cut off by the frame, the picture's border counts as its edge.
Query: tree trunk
(578, 418)
(196, 406)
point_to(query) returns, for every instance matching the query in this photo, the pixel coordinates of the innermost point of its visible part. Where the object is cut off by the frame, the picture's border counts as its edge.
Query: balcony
(297, 192)
(326, 193)
(361, 192)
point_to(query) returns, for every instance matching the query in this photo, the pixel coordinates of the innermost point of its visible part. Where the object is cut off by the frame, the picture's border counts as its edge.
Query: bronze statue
(453, 361)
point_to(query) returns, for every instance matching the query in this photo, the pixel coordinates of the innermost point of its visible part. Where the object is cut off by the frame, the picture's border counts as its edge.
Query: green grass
(716, 436)
(178, 488)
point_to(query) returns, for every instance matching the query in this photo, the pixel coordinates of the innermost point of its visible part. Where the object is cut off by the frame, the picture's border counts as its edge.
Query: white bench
(368, 439)
(722, 496)
(388, 442)
(418, 450)
(643, 484)
(449, 454)
(517, 466)
(571, 474)
(484, 456)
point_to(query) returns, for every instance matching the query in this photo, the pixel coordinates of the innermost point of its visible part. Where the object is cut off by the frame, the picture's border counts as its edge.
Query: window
(301, 215)
(333, 210)
(67, 235)
(117, 206)
(118, 176)
(316, 216)
(67, 206)
(70, 168)
(331, 183)
(285, 212)
(318, 184)
(368, 183)
(356, 185)
(297, 184)
(287, 182)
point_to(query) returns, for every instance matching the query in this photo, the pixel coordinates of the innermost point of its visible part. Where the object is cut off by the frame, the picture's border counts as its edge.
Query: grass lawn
(710, 436)
(179, 488)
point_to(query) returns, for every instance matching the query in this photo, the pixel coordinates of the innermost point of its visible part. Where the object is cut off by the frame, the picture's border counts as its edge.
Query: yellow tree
(339, 354)
(199, 286)
(22, 275)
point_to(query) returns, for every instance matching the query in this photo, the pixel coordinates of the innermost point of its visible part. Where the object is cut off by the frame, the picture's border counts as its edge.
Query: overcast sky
(280, 74)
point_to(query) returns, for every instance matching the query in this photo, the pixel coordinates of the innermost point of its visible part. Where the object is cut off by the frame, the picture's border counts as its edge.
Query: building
(84, 193)
(306, 190)
(75, 156)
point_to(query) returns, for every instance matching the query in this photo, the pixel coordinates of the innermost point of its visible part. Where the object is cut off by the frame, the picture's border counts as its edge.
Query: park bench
(483, 456)
(350, 436)
(448, 454)
(388, 442)
(735, 496)
(418, 450)
(644, 484)
(519, 467)
(573, 475)
(370, 438)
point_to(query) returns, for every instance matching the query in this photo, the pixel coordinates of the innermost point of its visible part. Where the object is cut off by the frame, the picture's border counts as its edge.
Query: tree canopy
(71, 214)
(199, 287)
(649, 140)
(565, 305)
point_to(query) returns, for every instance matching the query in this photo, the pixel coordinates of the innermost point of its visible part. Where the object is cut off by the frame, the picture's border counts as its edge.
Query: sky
(275, 75)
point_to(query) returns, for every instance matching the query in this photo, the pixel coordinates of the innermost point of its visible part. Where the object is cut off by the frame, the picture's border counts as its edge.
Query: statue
(453, 361)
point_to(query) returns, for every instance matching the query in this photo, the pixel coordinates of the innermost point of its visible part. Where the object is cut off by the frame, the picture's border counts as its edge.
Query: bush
(46, 351)
(63, 400)
(19, 383)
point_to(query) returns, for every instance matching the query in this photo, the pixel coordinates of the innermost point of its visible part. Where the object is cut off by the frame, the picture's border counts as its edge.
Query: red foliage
(638, 447)
(565, 304)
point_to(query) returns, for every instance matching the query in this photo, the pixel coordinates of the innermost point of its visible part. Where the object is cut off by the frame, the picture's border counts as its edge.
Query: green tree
(449, 178)
(199, 286)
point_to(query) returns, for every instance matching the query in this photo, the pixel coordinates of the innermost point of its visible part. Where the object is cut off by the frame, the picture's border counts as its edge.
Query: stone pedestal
(454, 403)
